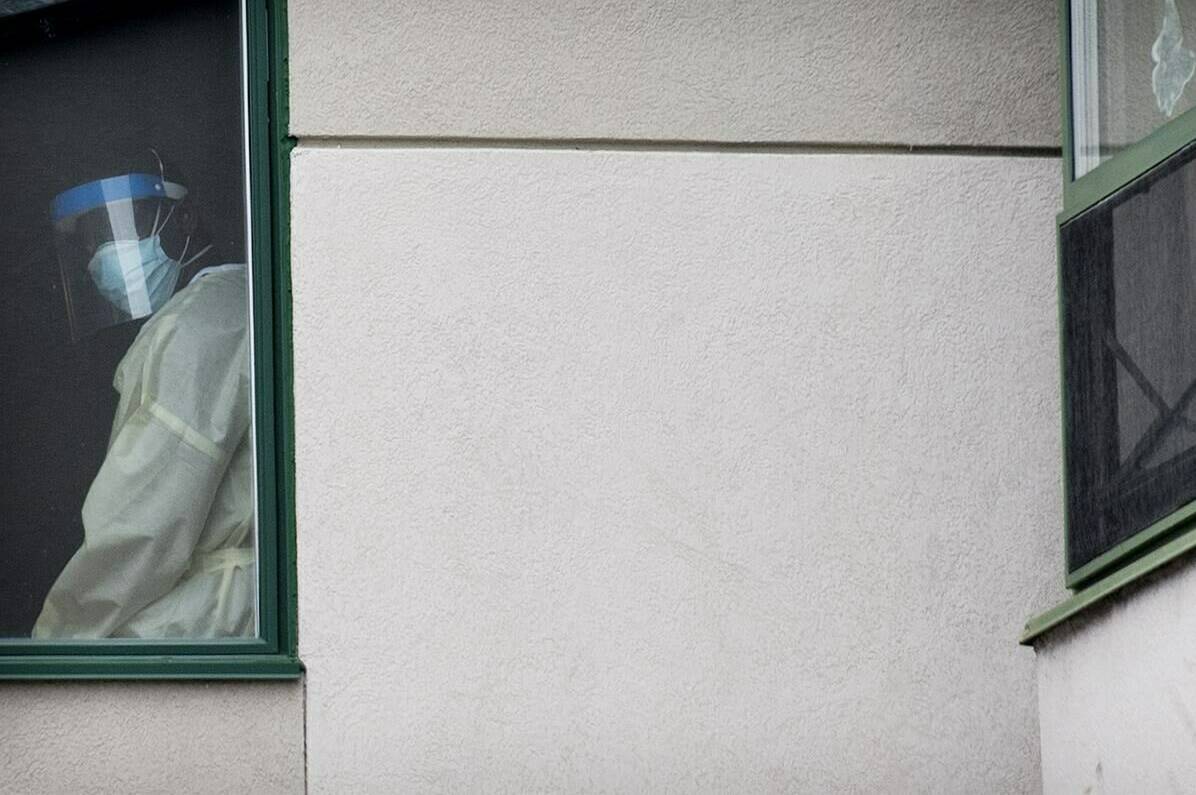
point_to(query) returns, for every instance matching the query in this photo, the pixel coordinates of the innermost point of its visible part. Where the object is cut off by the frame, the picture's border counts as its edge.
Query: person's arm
(142, 518)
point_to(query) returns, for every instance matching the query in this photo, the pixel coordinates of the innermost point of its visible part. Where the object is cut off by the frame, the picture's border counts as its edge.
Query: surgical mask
(135, 276)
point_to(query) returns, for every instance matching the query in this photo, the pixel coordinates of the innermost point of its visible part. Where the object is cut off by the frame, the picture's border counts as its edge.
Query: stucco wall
(632, 471)
(1117, 696)
(924, 72)
(646, 471)
(151, 737)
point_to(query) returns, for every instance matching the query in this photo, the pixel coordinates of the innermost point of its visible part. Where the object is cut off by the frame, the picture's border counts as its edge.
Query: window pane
(1132, 64)
(1129, 292)
(126, 441)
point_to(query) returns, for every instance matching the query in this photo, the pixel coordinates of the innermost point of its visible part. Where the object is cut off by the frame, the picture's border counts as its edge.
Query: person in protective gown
(168, 549)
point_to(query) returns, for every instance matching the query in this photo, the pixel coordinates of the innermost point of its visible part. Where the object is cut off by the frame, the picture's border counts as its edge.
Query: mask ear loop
(158, 228)
(182, 262)
(194, 256)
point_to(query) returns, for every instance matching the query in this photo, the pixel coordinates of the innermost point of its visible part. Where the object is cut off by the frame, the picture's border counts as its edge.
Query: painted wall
(696, 468)
(673, 469)
(911, 72)
(1117, 705)
(151, 737)
(637, 471)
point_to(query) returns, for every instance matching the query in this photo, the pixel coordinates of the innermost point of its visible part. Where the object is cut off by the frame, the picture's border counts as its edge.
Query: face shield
(106, 235)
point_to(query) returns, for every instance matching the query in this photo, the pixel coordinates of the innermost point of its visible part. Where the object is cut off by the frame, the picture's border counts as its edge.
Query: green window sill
(1100, 590)
(255, 667)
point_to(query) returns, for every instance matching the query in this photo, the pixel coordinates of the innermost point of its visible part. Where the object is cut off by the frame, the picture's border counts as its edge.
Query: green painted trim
(282, 144)
(1065, 98)
(1168, 525)
(1037, 626)
(109, 666)
(1064, 405)
(273, 655)
(257, 44)
(24, 648)
(1127, 165)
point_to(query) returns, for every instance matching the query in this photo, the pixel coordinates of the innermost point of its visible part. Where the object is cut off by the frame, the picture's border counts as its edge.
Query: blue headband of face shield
(91, 195)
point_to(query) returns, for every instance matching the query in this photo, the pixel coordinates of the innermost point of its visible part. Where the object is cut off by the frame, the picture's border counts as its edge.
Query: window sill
(1096, 593)
(124, 667)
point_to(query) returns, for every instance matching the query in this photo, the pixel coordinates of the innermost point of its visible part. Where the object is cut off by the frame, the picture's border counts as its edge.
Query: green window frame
(1175, 534)
(274, 654)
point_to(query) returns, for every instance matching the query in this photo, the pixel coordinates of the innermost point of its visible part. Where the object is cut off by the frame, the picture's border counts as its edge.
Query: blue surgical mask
(135, 276)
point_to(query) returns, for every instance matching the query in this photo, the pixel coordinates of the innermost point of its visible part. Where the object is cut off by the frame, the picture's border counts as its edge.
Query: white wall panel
(1117, 693)
(663, 471)
(151, 737)
(915, 72)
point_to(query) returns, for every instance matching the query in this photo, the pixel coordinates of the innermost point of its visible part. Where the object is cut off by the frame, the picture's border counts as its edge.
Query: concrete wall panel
(663, 471)
(151, 737)
(913, 72)
(1117, 693)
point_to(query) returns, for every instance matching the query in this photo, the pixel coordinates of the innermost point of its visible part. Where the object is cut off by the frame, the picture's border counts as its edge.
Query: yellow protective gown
(168, 549)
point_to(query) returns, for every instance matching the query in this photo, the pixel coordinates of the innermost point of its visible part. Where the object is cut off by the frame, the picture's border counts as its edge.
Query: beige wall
(926, 72)
(633, 471)
(655, 470)
(1118, 709)
(124, 737)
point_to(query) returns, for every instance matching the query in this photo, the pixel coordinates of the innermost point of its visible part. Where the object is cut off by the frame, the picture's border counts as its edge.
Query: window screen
(1129, 298)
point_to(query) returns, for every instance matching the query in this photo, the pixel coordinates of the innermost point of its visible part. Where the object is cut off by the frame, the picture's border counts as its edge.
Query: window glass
(1129, 293)
(126, 428)
(1132, 65)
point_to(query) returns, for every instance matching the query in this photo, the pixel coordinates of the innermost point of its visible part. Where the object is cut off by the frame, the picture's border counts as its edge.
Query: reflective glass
(128, 507)
(1132, 64)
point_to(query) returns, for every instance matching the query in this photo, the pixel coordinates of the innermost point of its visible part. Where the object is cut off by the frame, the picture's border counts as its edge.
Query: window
(1131, 63)
(144, 408)
(1127, 242)
(1130, 359)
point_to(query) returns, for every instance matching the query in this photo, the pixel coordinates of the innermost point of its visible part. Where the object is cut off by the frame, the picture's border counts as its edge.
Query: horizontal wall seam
(652, 145)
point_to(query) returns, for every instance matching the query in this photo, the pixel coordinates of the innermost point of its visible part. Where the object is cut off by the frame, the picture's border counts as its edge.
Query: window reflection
(125, 408)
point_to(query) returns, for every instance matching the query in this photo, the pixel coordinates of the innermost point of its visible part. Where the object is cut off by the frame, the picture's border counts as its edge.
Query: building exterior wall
(637, 471)
(925, 72)
(633, 464)
(1117, 706)
(151, 737)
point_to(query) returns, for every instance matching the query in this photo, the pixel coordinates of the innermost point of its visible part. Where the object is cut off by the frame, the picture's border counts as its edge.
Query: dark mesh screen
(1129, 323)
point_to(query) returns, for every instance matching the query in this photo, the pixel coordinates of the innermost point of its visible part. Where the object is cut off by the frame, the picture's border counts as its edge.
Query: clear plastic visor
(105, 258)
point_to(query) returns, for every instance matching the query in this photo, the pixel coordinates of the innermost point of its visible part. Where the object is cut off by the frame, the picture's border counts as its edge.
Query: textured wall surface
(914, 71)
(1117, 694)
(151, 737)
(647, 471)
(672, 471)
